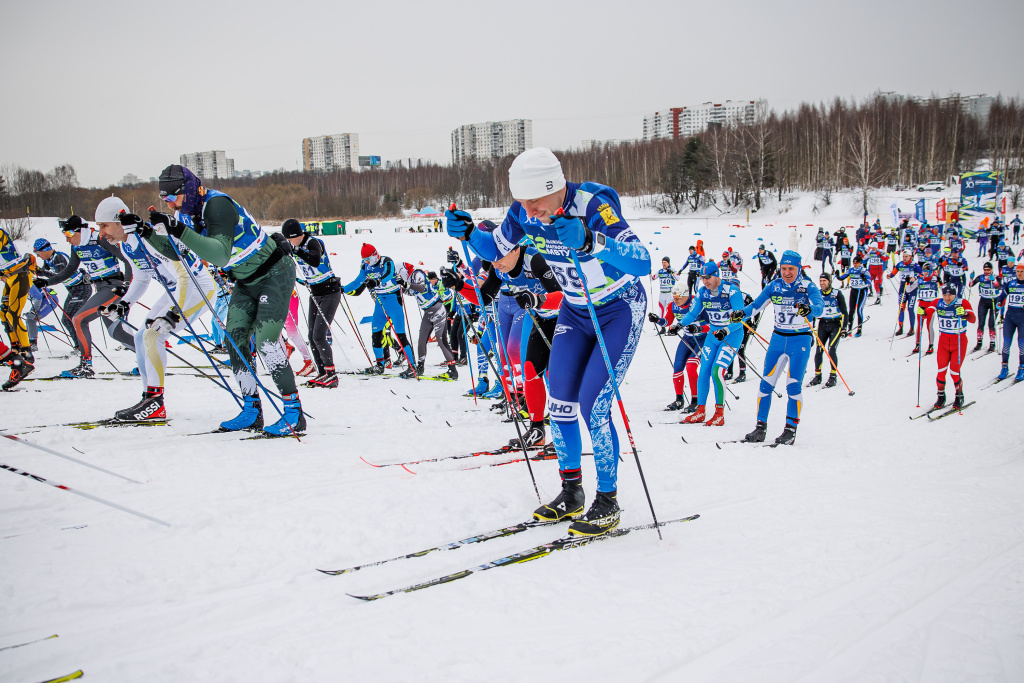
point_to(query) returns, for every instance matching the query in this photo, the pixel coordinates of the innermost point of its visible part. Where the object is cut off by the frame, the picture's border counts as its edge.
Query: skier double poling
(603, 306)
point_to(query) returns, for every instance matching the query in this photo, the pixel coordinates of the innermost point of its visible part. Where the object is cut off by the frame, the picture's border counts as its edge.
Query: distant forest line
(819, 148)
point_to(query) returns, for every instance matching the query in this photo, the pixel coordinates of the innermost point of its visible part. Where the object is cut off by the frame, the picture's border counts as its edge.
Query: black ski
(479, 538)
(114, 422)
(474, 454)
(1016, 381)
(535, 553)
(952, 411)
(926, 413)
(31, 642)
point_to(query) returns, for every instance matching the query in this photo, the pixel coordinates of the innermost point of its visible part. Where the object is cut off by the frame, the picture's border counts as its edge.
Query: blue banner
(919, 210)
(979, 191)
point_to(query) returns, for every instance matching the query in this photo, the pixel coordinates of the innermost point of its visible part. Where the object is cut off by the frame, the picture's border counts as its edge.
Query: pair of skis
(535, 453)
(931, 413)
(534, 553)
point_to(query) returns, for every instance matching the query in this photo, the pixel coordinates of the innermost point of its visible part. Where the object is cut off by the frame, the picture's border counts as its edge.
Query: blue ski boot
(292, 422)
(251, 416)
(481, 388)
(1004, 372)
(1020, 374)
(495, 392)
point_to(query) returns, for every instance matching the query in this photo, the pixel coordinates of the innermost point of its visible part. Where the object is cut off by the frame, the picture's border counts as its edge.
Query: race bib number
(831, 311)
(786, 318)
(569, 279)
(1015, 299)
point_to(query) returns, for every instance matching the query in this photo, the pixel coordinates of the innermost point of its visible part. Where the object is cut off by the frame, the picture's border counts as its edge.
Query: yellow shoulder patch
(608, 214)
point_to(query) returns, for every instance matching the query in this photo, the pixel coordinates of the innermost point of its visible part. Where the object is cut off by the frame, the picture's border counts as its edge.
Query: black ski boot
(831, 381)
(931, 350)
(992, 346)
(728, 373)
(500, 406)
(899, 330)
(756, 436)
(958, 398)
(409, 373)
(787, 437)
(602, 517)
(816, 381)
(453, 374)
(977, 347)
(692, 407)
(940, 401)
(375, 369)
(677, 404)
(149, 409)
(742, 377)
(568, 504)
(20, 369)
(533, 438)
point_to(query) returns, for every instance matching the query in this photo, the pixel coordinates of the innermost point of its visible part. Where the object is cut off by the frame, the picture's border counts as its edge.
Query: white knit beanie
(108, 209)
(535, 173)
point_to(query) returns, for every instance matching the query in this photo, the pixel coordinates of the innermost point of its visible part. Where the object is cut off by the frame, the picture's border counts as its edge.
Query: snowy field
(875, 549)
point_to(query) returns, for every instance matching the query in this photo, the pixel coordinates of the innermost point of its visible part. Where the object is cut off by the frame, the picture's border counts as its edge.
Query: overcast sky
(117, 87)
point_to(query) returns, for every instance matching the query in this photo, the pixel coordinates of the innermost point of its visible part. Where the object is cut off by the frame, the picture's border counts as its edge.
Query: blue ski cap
(710, 268)
(41, 245)
(790, 258)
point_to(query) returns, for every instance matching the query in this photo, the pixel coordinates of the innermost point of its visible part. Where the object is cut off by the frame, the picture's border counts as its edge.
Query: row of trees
(819, 148)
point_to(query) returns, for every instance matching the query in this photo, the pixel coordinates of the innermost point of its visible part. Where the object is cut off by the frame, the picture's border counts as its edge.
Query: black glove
(720, 334)
(120, 290)
(453, 257)
(803, 309)
(527, 299)
(174, 227)
(133, 223)
(371, 282)
(165, 323)
(115, 310)
(845, 333)
(674, 329)
(736, 317)
(653, 317)
(41, 282)
(282, 242)
(451, 280)
(692, 328)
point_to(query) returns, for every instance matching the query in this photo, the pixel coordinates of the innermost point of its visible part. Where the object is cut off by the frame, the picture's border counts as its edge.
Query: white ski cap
(535, 173)
(107, 210)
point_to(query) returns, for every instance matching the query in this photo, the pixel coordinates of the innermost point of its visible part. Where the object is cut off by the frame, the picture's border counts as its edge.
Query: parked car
(933, 186)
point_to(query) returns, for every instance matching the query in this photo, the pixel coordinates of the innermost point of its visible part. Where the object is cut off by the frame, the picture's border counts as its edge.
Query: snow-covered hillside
(875, 549)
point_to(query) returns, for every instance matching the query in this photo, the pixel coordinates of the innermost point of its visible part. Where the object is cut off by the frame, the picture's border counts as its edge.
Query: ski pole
(15, 470)
(322, 317)
(827, 354)
(344, 300)
(469, 364)
(97, 348)
(751, 367)
(56, 307)
(515, 420)
(174, 304)
(892, 339)
(662, 338)
(227, 335)
(44, 449)
(412, 365)
(219, 384)
(611, 375)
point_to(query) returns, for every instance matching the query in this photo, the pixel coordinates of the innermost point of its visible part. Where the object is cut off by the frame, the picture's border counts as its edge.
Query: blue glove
(459, 224)
(572, 232)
